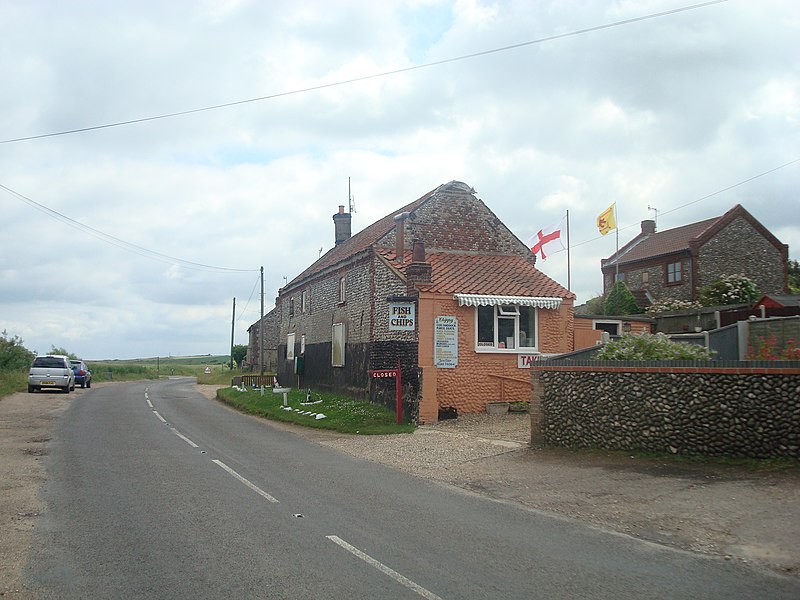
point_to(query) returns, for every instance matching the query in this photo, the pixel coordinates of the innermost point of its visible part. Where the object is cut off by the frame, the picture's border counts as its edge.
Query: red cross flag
(549, 238)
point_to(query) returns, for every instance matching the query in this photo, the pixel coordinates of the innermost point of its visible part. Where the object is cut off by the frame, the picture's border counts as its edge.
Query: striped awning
(482, 300)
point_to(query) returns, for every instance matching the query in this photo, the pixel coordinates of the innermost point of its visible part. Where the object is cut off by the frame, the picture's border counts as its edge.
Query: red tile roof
(664, 242)
(488, 274)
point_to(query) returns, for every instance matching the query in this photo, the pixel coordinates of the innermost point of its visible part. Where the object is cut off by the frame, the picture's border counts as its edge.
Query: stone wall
(740, 248)
(738, 411)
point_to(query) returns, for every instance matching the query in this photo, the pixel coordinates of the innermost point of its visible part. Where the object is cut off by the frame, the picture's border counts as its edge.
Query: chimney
(648, 227)
(341, 225)
(419, 270)
(400, 235)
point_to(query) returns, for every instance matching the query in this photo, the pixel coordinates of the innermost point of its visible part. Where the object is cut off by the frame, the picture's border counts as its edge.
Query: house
(678, 263)
(441, 287)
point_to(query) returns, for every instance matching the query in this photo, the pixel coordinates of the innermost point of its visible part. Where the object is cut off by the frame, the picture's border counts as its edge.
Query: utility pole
(233, 321)
(261, 329)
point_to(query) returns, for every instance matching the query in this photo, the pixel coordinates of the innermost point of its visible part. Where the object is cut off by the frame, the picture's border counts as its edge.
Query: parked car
(83, 376)
(51, 371)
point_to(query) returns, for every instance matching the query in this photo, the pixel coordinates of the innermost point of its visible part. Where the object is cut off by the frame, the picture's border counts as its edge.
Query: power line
(368, 77)
(706, 197)
(119, 243)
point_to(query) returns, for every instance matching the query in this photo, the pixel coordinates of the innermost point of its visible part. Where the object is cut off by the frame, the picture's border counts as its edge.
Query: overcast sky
(667, 112)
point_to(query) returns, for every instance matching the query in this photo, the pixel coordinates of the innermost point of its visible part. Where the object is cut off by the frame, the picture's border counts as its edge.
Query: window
(645, 277)
(342, 289)
(610, 327)
(674, 273)
(303, 344)
(506, 327)
(290, 347)
(291, 307)
(620, 277)
(337, 345)
(304, 301)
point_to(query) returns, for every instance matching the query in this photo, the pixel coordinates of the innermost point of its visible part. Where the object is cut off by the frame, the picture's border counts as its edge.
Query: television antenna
(655, 210)
(350, 200)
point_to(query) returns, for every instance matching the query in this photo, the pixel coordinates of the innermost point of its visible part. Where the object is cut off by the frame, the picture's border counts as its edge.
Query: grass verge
(342, 414)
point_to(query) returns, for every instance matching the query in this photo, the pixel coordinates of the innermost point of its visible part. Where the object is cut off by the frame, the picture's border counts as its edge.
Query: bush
(13, 355)
(670, 305)
(647, 346)
(729, 289)
(620, 301)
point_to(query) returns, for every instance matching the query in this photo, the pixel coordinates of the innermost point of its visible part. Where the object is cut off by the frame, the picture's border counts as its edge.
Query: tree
(620, 301)
(239, 352)
(13, 355)
(595, 306)
(729, 289)
(62, 351)
(648, 346)
(794, 277)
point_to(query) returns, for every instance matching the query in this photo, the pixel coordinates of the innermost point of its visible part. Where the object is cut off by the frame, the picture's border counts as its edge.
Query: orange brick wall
(470, 386)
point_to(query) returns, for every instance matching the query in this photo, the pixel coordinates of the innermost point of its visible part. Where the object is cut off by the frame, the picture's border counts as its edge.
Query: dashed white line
(384, 569)
(184, 438)
(163, 420)
(247, 482)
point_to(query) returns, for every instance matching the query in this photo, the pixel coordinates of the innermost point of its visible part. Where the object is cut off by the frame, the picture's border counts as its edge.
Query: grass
(342, 414)
(13, 381)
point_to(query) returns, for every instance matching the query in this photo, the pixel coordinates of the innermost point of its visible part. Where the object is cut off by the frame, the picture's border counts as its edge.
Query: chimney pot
(648, 226)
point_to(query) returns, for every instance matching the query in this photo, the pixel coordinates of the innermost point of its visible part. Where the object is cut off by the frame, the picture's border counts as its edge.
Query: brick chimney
(648, 227)
(341, 225)
(419, 270)
(400, 235)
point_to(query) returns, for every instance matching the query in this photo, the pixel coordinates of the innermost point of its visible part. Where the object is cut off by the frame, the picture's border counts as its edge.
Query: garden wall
(737, 409)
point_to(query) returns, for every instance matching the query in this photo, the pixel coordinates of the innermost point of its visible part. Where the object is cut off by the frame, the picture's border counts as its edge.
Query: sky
(132, 240)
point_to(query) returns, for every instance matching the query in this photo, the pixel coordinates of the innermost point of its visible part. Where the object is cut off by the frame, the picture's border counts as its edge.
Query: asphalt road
(153, 491)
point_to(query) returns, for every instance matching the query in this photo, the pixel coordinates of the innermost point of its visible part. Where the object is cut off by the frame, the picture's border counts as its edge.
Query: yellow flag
(606, 221)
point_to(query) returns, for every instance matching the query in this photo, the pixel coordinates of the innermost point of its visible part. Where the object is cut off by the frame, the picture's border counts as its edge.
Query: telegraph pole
(261, 329)
(233, 321)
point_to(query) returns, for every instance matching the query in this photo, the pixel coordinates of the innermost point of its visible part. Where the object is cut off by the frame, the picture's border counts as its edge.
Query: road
(154, 491)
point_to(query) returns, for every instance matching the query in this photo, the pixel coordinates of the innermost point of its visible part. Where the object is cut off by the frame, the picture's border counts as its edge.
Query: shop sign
(401, 316)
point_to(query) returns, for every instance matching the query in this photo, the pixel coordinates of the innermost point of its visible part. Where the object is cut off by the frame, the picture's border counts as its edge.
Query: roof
(485, 274)
(662, 243)
(782, 299)
(681, 239)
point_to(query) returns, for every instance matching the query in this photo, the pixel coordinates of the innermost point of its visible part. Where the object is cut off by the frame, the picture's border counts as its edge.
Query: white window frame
(290, 346)
(511, 312)
(338, 339)
(303, 344)
(618, 325)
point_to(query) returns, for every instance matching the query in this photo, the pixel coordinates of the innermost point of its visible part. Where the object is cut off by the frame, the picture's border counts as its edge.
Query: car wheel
(66, 389)
(83, 385)
(31, 389)
(89, 383)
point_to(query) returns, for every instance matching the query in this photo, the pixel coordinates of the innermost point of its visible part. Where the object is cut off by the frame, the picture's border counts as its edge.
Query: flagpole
(569, 283)
(616, 230)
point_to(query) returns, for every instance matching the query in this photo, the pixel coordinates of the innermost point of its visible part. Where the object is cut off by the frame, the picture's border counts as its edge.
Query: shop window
(506, 327)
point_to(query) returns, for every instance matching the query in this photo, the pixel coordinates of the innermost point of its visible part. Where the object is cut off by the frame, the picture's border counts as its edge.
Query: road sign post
(398, 385)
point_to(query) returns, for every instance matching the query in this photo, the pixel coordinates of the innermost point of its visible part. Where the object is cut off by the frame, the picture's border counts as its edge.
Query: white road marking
(184, 438)
(150, 404)
(163, 420)
(384, 569)
(248, 483)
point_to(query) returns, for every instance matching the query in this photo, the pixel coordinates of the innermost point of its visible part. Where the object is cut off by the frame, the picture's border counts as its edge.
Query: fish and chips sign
(402, 316)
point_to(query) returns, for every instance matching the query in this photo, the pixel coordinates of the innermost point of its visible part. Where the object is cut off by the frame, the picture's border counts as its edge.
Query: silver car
(51, 371)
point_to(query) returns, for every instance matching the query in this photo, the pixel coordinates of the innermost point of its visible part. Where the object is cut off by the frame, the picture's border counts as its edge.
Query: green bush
(13, 355)
(646, 346)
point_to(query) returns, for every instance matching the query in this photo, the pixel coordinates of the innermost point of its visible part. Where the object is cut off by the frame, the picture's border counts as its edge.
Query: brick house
(678, 263)
(440, 285)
